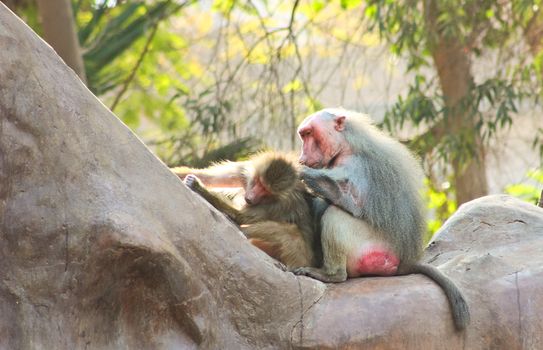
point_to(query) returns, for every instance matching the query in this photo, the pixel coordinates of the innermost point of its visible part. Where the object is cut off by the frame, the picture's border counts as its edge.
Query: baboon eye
(261, 184)
(306, 132)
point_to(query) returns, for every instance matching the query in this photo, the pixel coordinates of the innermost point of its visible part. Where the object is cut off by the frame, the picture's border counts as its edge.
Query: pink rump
(378, 263)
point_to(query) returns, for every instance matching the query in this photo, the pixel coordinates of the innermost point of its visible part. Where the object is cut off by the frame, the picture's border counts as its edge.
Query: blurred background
(458, 81)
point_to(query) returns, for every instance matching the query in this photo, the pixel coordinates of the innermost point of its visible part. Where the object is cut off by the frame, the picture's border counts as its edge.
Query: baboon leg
(282, 241)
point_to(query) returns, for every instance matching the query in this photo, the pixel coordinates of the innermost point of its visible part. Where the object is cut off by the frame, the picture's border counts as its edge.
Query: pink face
(322, 139)
(256, 192)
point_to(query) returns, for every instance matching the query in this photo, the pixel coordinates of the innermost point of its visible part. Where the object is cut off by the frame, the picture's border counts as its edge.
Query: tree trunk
(60, 32)
(533, 33)
(10, 4)
(454, 72)
(102, 247)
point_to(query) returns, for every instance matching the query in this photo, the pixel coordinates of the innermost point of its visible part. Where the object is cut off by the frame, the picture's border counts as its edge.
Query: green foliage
(224, 6)
(529, 190)
(106, 33)
(412, 26)
(481, 25)
(491, 104)
(201, 158)
(441, 205)
(122, 44)
(200, 144)
(349, 4)
(27, 10)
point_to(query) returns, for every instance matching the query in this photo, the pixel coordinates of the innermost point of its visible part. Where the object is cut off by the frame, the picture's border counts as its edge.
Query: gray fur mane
(393, 203)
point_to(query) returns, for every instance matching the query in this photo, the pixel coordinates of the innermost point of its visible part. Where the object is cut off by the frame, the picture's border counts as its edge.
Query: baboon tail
(459, 306)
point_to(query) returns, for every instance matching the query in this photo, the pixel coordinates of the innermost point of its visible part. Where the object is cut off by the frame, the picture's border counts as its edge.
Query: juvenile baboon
(376, 223)
(277, 216)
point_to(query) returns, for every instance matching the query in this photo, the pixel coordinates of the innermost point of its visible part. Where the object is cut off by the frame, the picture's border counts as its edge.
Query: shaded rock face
(101, 247)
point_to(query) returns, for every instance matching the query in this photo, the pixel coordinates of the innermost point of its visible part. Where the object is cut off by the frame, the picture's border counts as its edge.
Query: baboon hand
(281, 266)
(193, 182)
(301, 271)
(308, 176)
(321, 184)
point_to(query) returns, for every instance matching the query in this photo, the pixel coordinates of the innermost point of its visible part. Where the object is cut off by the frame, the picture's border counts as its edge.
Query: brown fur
(281, 224)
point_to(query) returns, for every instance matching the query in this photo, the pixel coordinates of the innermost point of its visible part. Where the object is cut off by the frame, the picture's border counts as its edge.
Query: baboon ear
(339, 123)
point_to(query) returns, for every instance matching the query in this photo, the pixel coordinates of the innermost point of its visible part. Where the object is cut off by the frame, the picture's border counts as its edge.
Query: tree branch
(132, 74)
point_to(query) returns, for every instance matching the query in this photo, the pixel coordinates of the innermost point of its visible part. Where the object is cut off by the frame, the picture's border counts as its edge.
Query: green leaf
(489, 13)
(349, 4)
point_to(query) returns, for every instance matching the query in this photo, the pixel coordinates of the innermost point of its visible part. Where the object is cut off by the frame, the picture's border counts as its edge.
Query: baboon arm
(217, 201)
(272, 231)
(334, 186)
(226, 174)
